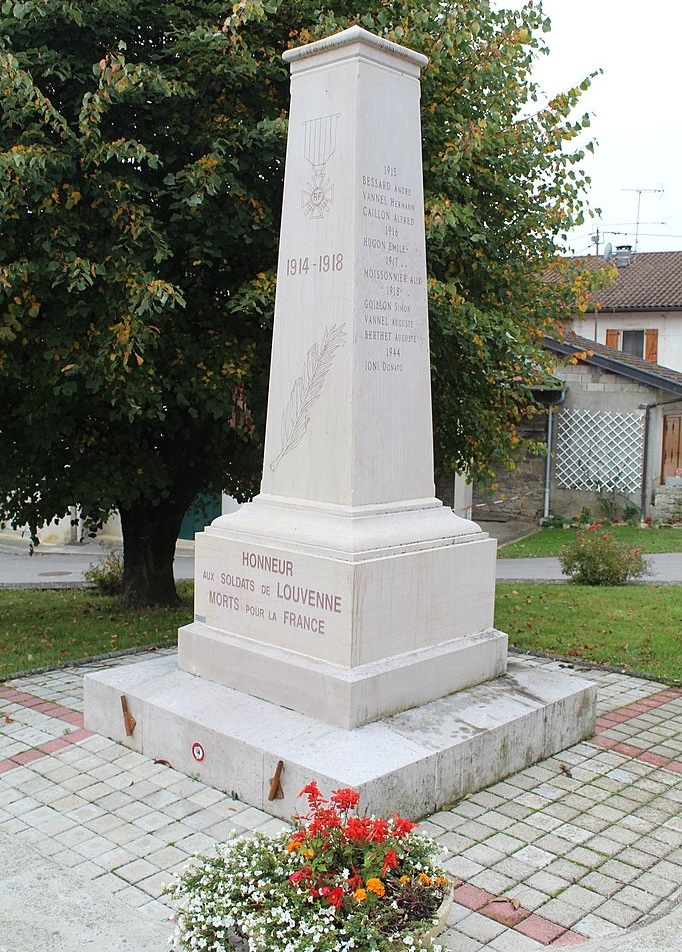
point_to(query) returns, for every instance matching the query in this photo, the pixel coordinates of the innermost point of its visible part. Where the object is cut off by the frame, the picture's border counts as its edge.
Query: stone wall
(667, 505)
(517, 494)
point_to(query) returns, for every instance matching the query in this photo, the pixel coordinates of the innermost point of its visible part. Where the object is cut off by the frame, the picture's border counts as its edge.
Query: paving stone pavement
(586, 845)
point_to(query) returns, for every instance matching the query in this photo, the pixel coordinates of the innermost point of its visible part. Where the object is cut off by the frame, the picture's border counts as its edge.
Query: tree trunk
(149, 537)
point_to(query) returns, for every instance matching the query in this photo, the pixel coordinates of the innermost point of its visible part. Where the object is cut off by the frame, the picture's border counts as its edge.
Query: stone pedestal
(346, 593)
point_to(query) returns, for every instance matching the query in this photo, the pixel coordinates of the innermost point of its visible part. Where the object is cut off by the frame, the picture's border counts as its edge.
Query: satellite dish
(608, 251)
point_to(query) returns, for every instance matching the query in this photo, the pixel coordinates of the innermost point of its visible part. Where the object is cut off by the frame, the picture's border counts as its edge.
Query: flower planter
(338, 879)
(422, 940)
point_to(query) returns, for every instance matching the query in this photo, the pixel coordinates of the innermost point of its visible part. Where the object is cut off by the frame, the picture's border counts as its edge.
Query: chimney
(623, 256)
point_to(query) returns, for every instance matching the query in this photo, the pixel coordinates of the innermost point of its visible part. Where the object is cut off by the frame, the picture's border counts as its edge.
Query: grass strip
(549, 542)
(635, 628)
(42, 628)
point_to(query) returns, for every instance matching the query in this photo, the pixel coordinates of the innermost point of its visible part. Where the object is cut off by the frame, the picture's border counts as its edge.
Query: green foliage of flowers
(596, 558)
(340, 881)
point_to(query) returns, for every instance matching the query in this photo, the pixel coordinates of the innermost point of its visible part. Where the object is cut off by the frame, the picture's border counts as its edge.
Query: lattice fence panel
(599, 449)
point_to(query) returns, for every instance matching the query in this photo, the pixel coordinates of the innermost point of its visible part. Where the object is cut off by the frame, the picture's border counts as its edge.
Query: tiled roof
(607, 358)
(653, 281)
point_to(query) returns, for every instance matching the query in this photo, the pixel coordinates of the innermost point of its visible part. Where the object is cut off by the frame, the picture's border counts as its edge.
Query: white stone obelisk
(345, 590)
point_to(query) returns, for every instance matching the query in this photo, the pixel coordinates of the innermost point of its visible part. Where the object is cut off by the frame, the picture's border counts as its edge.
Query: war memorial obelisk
(343, 626)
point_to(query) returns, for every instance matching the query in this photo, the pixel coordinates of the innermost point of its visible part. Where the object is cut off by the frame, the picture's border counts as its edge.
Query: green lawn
(549, 542)
(40, 628)
(634, 627)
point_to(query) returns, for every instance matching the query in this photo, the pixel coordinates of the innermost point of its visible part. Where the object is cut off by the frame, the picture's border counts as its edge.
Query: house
(613, 423)
(641, 313)
(619, 428)
(615, 430)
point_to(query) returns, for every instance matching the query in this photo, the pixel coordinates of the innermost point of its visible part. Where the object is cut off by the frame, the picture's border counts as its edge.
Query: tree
(141, 168)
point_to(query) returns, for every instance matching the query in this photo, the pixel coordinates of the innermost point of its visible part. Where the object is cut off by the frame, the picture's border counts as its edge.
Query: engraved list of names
(392, 273)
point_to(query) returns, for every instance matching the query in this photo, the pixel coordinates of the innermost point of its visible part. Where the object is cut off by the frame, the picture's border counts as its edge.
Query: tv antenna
(640, 192)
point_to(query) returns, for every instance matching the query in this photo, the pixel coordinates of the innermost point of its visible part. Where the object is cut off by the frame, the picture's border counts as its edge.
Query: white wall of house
(668, 324)
(65, 531)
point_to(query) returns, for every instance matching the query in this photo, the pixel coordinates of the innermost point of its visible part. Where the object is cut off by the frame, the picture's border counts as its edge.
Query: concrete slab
(413, 762)
(663, 935)
(44, 906)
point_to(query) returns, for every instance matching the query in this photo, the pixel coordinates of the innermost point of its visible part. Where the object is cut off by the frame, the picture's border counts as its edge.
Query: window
(632, 342)
(642, 343)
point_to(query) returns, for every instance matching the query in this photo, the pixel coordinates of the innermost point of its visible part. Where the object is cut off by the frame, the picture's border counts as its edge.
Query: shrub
(107, 574)
(596, 558)
(553, 522)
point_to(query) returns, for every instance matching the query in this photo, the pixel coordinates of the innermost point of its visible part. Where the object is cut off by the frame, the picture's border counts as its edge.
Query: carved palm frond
(307, 389)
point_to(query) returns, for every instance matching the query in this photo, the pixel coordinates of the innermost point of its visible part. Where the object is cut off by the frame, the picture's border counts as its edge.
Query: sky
(635, 114)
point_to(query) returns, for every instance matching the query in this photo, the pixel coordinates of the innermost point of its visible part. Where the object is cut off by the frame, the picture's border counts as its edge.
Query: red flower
(335, 897)
(312, 792)
(401, 826)
(390, 862)
(324, 819)
(356, 828)
(379, 831)
(300, 874)
(345, 799)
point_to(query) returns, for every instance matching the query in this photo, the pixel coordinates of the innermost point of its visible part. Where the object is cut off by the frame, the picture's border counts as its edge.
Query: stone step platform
(412, 763)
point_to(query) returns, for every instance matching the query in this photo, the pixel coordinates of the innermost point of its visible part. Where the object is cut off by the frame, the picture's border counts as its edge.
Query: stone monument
(343, 626)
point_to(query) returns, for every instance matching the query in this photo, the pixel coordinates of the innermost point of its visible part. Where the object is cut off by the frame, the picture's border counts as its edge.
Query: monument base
(347, 697)
(347, 615)
(413, 763)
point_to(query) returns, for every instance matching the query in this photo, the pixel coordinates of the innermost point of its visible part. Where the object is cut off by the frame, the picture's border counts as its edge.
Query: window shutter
(651, 344)
(612, 339)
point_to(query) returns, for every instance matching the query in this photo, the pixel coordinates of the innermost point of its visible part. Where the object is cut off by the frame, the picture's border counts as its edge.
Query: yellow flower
(376, 886)
(308, 852)
(404, 880)
(360, 894)
(424, 879)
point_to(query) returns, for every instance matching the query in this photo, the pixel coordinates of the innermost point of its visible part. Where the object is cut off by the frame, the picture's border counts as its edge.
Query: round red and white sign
(198, 751)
